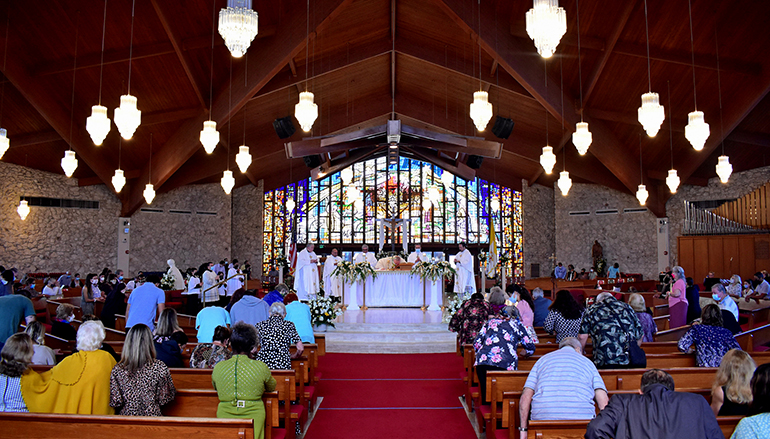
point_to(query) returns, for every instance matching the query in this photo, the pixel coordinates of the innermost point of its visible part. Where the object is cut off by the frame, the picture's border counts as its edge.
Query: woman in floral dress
(469, 319)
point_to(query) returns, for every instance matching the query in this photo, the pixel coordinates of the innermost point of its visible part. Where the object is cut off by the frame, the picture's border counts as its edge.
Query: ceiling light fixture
(227, 181)
(672, 180)
(290, 205)
(697, 130)
(546, 24)
(651, 113)
(641, 192)
(23, 209)
(306, 111)
(98, 124)
(480, 109)
(547, 158)
(426, 204)
(238, 25)
(69, 163)
(127, 116)
(564, 182)
(724, 168)
(119, 179)
(5, 143)
(149, 189)
(243, 158)
(209, 135)
(582, 137)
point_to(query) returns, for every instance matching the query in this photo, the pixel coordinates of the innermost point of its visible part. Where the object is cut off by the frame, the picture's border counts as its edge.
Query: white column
(280, 274)
(435, 296)
(353, 305)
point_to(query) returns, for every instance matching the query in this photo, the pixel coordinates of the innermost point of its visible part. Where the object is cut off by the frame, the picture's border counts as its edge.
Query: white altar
(395, 289)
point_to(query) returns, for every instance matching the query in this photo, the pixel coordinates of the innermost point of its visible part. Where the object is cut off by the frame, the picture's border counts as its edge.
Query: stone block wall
(538, 227)
(247, 238)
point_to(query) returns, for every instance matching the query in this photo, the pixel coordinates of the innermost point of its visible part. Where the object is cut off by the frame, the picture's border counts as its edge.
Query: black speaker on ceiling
(503, 127)
(312, 161)
(284, 127)
(475, 161)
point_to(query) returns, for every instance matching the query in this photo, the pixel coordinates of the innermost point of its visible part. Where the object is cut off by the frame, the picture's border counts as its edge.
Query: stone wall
(248, 205)
(538, 227)
(629, 239)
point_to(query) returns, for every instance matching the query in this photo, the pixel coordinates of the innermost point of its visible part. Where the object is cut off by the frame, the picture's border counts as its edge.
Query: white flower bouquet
(322, 311)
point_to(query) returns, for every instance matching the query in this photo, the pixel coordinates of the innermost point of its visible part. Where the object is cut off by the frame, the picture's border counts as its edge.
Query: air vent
(148, 210)
(180, 212)
(61, 202)
(207, 213)
(635, 210)
(607, 212)
(580, 213)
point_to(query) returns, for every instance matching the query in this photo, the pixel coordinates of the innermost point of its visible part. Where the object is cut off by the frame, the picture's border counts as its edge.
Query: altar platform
(390, 331)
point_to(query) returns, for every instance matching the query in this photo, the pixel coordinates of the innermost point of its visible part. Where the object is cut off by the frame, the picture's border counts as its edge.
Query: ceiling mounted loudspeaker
(284, 127)
(312, 161)
(475, 161)
(503, 127)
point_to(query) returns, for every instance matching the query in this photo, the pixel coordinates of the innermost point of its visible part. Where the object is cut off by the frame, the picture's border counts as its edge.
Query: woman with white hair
(677, 298)
(275, 336)
(80, 384)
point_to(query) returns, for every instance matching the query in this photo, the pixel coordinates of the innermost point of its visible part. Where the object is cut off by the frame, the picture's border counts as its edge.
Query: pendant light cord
(230, 120)
(74, 70)
(692, 48)
(131, 46)
(211, 75)
(149, 177)
(101, 62)
(561, 87)
(580, 68)
(670, 130)
(307, 44)
(478, 40)
(245, 86)
(5, 58)
(719, 88)
(545, 75)
(647, 32)
(641, 168)
(120, 150)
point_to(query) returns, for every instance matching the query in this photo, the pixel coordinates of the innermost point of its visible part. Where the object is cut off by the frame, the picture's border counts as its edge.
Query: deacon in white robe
(234, 283)
(306, 273)
(365, 256)
(465, 281)
(416, 256)
(332, 284)
(174, 271)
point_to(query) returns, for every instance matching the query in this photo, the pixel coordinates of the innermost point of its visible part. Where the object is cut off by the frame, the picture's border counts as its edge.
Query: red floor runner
(373, 396)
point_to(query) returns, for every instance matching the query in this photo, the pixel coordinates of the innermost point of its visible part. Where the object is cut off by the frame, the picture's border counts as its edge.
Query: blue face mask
(120, 277)
(716, 297)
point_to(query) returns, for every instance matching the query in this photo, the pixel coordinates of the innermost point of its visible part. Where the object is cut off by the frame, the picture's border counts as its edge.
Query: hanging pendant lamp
(426, 204)
(238, 25)
(209, 136)
(724, 168)
(582, 138)
(5, 143)
(447, 178)
(290, 205)
(98, 124)
(23, 209)
(548, 159)
(481, 110)
(494, 204)
(69, 163)
(127, 116)
(697, 130)
(306, 111)
(346, 175)
(118, 180)
(651, 114)
(546, 24)
(564, 182)
(642, 194)
(227, 181)
(243, 158)
(149, 193)
(672, 180)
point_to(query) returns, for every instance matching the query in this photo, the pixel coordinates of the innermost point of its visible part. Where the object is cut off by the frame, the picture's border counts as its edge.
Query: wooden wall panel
(748, 261)
(686, 259)
(716, 256)
(732, 256)
(701, 258)
(700, 254)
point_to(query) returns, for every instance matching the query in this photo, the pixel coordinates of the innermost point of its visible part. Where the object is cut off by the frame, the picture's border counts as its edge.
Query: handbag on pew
(637, 358)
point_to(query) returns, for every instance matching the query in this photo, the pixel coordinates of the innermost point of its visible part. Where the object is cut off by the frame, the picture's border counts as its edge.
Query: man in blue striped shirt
(562, 385)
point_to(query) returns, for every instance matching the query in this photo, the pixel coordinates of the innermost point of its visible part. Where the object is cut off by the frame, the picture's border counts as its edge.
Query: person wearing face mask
(719, 294)
(90, 294)
(209, 278)
(416, 256)
(523, 302)
(115, 303)
(61, 326)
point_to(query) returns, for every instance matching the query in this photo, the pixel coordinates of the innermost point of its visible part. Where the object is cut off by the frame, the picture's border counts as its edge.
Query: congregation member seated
(207, 355)
(710, 280)
(62, 325)
(735, 287)
(731, 391)
(105, 346)
(43, 354)
(140, 384)
(612, 325)
(276, 295)
(636, 302)
(15, 358)
(583, 274)
(208, 319)
(571, 273)
(562, 385)
(757, 425)
(115, 303)
(657, 412)
(709, 340)
(541, 306)
(51, 287)
(693, 301)
(614, 271)
(275, 336)
(235, 298)
(564, 316)
(498, 333)
(80, 384)
(761, 288)
(241, 381)
(725, 302)
(299, 314)
(250, 309)
(170, 340)
(469, 319)
(525, 305)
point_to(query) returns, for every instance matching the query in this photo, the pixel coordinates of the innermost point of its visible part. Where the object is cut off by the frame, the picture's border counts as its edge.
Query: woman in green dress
(241, 381)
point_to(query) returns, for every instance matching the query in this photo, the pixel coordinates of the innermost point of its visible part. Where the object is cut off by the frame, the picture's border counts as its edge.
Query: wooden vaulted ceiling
(368, 57)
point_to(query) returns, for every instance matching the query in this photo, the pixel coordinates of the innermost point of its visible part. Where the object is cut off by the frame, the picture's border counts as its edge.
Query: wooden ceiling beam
(338, 165)
(168, 116)
(758, 139)
(34, 138)
(93, 181)
(458, 168)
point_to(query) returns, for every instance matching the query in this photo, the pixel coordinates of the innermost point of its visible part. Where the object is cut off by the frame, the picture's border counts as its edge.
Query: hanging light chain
(101, 62)
(74, 70)
(719, 89)
(670, 130)
(131, 46)
(647, 32)
(211, 76)
(580, 68)
(5, 58)
(692, 50)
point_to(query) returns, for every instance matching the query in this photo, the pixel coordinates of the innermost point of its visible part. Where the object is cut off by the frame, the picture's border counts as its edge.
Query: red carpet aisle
(394, 396)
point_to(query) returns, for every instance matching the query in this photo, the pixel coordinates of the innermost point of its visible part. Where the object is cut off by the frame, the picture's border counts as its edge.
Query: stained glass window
(459, 211)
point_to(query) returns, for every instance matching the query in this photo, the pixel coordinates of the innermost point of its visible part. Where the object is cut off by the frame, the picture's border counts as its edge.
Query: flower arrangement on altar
(505, 258)
(433, 270)
(482, 257)
(387, 254)
(354, 272)
(453, 304)
(322, 310)
(167, 282)
(281, 261)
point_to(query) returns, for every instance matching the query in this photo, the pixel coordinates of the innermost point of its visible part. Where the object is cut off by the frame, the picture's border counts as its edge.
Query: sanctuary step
(390, 331)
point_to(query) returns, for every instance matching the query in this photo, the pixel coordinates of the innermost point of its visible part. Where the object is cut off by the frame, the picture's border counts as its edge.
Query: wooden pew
(320, 340)
(662, 322)
(577, 429)
(53, 304)
(751, 340)
(672, 334)
(660, 310)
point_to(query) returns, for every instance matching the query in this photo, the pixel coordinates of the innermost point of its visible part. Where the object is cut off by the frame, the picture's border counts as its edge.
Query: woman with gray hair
(677, 299)
(275, 336)
(80, 384)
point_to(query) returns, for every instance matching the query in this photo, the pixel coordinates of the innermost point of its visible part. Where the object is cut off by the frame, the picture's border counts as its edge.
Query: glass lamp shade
(209, 136)
(5, 143)
(433, 194)
(547, 159)
(23, 209)
(672, 181)
(724, 168)
(149, 193)
(697, 130)
(642, 194)
(495, 204)
(69, 163)
(118, 180)
(227, 181)
(290, 205)
(481, 110)
(98, 124)
(546, 24)
(426, 204)
(306, 111)
(346, 175)
(582, 138)
(447, 178)
(564, 182)
(651, 113)
(243, 158)
(238, 25)
(127, 116)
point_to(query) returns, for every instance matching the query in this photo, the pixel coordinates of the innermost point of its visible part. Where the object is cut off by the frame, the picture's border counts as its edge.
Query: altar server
(306, 274)
(465, 281)
(365, 256)
(416, 256)
(332, 284)
(234, 283)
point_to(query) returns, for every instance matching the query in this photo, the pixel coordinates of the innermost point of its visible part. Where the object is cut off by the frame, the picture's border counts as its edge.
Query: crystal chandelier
(290, 205)
(227, 181)
(149, 193)
(548, 159)
(127, 116)
(346, 175)
(565, 183)
(447, 178)
(546, 24)
(306, 111)
(118, 180)
(238, 25)
(724, 168)
(23, 209)
(651, 113)
(642, 194)
(69, 163)
(582, 138)
(481, 110)
(697, 130)
(209, 136)
(98, 124)
(243, 158)
(495, 204)
(5, 143)
(672, 181)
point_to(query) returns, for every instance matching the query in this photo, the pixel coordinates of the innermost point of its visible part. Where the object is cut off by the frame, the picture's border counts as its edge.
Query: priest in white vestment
(388, 263)
(176, 274)
(234, 283)
(365, 256)
(306, 273)
(465, 281)
(416, 256)
(332, 284)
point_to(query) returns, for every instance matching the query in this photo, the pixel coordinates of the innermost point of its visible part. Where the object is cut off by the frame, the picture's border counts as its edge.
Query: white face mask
(94, 281)
(70, 318)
